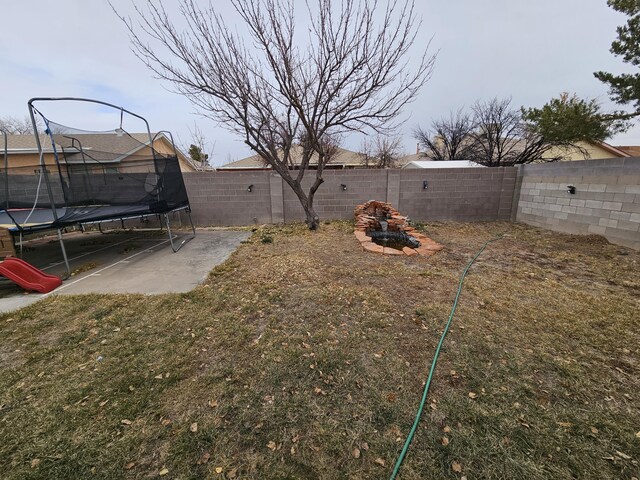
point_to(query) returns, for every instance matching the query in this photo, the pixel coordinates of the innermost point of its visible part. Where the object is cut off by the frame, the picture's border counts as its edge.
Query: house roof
(343, 157)
(105, 147)
(631, 150)
(441, 164)
(617, 151)
(25, 143)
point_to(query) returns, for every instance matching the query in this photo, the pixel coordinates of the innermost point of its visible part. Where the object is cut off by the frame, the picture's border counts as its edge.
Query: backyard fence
(606, 199)
(256, 197)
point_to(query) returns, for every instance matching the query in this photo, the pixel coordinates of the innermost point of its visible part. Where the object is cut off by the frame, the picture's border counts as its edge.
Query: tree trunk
(312, 219)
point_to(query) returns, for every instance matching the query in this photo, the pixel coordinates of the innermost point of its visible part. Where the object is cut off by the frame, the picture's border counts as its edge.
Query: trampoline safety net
(90, 176)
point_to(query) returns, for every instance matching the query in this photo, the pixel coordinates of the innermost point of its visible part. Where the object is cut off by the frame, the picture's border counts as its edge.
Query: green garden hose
(407, 442)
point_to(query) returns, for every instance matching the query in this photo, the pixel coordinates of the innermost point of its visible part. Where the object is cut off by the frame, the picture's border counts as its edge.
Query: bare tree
(502, 138)
(493, 134)
(16, 126)
(448, 138)
(276, 91)
(199, 149)
(381, 152)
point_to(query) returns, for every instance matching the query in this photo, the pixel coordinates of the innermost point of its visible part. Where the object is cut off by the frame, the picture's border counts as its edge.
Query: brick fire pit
(368, 217)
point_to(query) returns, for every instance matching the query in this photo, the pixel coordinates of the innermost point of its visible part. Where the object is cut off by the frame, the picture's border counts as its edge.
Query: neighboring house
(348, 159)
(342, 159)
(441, 164)
(631, 150)
(92, 149)
(594, 150)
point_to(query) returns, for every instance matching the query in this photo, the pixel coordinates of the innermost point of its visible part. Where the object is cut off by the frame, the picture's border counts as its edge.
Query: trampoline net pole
(64, 253)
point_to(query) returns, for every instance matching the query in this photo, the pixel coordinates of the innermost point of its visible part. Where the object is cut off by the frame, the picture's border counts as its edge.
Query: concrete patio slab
(125, 262)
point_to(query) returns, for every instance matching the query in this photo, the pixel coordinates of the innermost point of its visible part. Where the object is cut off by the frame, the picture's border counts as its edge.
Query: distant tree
(494, 134)
(382, 152)
(197, 149)
(448, 138)
(196, 154)
(352, 74)
(502, 138)
(625, 88)
(568, 119)
(16, 126)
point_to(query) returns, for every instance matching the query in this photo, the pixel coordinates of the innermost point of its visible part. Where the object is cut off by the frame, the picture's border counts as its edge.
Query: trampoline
(89, 176)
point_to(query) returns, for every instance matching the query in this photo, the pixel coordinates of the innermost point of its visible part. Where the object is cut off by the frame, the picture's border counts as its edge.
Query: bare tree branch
(353, 75)
(448, 138)
(381, 152)
(17, 126)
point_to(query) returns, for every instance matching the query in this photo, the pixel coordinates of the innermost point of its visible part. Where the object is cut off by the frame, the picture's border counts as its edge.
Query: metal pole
(46, 181)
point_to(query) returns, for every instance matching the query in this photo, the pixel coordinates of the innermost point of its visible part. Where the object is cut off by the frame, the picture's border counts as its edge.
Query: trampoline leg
(64, 254)
(193, 228)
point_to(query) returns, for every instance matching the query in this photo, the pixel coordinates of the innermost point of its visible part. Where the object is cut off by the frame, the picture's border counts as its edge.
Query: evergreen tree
(569, 119)
(625, 88)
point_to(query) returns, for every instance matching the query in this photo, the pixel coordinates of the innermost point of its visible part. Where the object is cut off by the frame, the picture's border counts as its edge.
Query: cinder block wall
(606, 202)
(468, 194)
(331, 201)
(463, 194)
(222, 198)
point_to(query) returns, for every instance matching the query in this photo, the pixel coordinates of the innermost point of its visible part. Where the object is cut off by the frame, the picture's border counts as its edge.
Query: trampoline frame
(45, 174)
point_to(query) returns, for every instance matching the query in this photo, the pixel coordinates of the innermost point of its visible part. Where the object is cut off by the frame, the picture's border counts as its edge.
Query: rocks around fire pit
(382, 218)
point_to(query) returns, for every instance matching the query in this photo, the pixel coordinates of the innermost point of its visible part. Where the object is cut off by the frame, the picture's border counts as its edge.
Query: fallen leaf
(638, 434)
(445, 441)
(218, 470)
(623, 455)
(194, 427)
(272, 446)
(129, 465)
(163, 472)
(158, 377)
(594, 430)
(293, 450)
(355, 452)
(35, 462)
(365, 446)
(166, 421)
(379, 461)
(213, 403)
(102, 404)
(564, 424)
(456, 467)
(473, 395)
(125, 422)
(232, 473)
(204, 458)
(447, 429)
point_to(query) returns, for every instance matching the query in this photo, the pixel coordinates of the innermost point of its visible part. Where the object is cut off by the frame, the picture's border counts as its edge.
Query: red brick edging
(367, 216)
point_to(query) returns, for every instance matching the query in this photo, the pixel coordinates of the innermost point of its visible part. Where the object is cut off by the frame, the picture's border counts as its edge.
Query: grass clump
(305, 358)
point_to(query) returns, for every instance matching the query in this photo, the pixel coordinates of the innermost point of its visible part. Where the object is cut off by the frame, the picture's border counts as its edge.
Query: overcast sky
(528, 50)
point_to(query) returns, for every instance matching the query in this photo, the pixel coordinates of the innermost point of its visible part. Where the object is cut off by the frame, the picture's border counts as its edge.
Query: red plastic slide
(28, 276)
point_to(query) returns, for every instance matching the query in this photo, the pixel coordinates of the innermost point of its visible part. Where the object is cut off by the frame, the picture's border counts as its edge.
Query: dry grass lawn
(304, 357)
